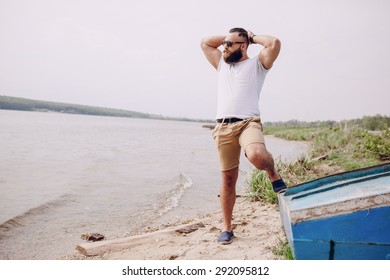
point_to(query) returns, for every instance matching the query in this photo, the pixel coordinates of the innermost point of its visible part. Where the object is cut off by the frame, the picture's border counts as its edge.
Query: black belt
(229, 120)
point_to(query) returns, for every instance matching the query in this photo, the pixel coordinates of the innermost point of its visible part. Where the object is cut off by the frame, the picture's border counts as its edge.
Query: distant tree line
(23, 104)
(14, 103)
(301, 124)
(377, 122)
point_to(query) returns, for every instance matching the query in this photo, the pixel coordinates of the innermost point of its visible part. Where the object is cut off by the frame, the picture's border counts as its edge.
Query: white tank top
(239, 87)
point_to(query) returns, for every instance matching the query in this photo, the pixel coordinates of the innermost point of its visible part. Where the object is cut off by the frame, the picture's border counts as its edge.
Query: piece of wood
(96, 248)
(190, 228)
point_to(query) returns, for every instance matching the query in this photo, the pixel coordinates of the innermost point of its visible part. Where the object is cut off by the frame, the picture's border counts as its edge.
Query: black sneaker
(226, 237)
(279, 186)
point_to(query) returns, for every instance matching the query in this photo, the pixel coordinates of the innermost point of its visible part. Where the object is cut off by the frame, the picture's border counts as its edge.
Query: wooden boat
(344, 216)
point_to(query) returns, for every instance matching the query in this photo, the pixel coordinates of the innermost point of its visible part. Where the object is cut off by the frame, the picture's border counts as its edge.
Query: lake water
(63, 175)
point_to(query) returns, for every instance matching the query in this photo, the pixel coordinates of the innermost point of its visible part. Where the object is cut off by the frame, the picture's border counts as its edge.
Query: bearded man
(240, 80)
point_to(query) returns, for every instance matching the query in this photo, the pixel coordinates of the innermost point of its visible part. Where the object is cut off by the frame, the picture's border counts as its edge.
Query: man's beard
(233, 57)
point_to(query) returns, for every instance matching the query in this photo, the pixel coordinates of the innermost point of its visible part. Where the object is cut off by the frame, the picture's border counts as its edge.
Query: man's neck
(244, 57)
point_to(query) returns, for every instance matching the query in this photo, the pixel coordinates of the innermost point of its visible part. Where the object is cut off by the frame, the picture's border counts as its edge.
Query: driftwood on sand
(96, 248)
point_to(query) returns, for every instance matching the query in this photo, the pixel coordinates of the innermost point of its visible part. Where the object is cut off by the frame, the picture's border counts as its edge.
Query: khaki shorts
(231, 137)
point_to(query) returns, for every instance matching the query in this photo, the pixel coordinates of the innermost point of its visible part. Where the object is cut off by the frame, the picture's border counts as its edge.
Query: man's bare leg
(259, 156)
(227, 200)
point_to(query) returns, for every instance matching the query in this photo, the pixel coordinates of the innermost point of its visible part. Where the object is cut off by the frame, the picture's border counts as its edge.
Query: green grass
(283, 249)
(259, 186)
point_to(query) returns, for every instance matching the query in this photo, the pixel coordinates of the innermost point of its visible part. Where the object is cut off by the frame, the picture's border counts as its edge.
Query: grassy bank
(334, 148)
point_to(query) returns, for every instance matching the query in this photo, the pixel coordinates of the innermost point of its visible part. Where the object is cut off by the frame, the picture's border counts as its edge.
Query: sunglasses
(229, 43)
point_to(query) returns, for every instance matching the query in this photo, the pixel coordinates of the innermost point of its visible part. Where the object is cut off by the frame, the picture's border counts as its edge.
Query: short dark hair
(241, 33)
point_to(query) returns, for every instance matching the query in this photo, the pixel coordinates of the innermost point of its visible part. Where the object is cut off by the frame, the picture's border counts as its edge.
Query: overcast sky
(145, 55)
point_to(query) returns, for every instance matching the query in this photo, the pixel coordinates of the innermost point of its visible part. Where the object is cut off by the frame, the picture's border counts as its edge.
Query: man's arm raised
(270, 52)
(210, 49)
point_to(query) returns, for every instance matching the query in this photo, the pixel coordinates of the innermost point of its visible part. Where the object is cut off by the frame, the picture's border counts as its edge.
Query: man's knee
(256, 152)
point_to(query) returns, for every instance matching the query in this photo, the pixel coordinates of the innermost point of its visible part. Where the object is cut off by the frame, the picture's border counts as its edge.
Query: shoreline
(257, 229)
(97, 193)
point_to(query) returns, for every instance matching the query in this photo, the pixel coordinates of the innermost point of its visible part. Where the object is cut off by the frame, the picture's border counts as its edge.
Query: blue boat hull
(341, 217)
(341, 237)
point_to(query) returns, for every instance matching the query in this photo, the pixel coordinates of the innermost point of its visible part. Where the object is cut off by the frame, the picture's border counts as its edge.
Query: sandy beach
(257, 230)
